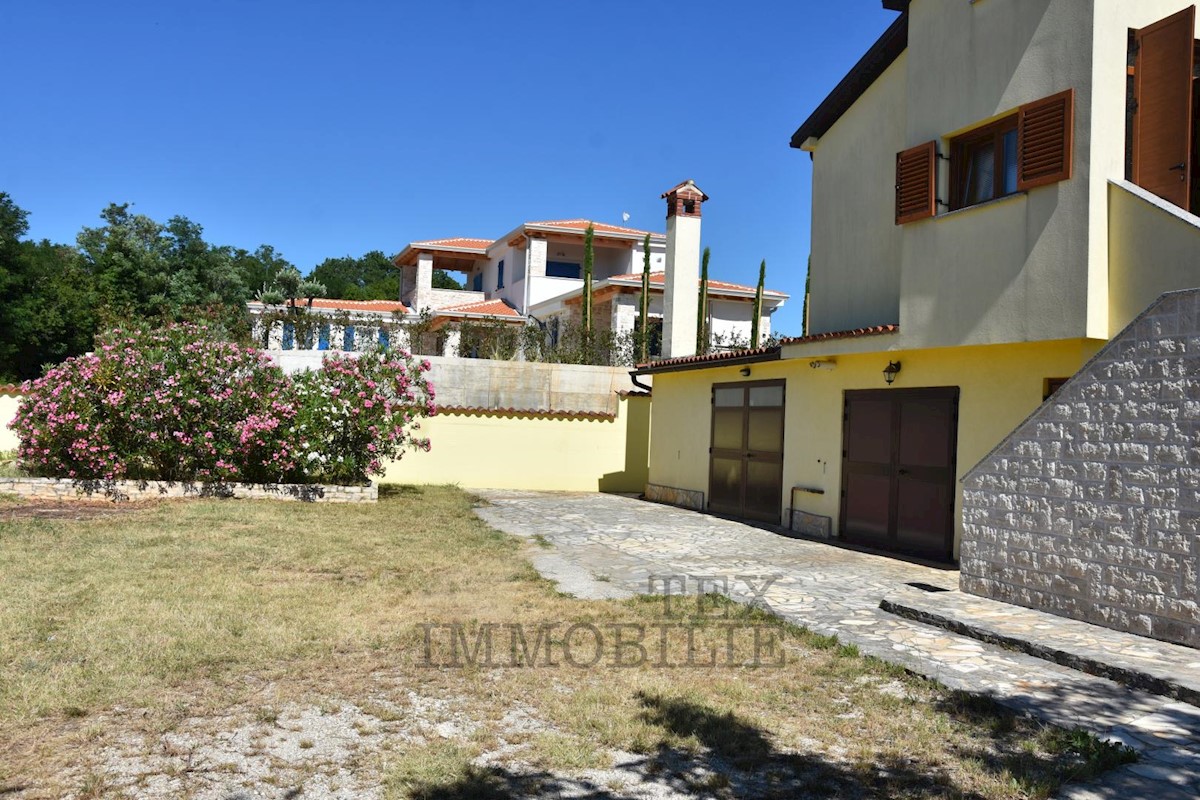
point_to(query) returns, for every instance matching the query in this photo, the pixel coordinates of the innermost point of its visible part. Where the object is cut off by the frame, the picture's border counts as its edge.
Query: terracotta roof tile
(9, 388)
(457, 241)
(659, 278)
(756, 354)
(382, 306)
(876, 330)
(582, 224)
(495, 308)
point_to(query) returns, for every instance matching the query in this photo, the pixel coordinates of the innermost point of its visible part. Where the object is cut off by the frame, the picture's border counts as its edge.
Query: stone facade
(669, 495)
(1090, 509)
(63, 489)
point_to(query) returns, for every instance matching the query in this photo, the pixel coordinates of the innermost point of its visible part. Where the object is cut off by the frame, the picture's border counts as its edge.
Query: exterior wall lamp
(891, 371)
(745, 371)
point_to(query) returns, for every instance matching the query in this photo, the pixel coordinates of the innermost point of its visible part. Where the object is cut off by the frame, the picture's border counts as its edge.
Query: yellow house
(998, 188)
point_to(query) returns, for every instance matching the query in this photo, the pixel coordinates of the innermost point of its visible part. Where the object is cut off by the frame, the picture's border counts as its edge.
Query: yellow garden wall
(525, 451)
(8, 410)
(1000, 385)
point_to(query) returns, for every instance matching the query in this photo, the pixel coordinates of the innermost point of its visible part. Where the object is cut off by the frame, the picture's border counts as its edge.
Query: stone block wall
(63, 489)
(1091, 508)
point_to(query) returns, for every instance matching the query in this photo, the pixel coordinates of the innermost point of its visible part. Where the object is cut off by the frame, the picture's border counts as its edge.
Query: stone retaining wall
(1091, 508)
(63, 489)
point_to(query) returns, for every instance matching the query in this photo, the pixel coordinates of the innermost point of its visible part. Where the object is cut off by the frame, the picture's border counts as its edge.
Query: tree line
(57, 296)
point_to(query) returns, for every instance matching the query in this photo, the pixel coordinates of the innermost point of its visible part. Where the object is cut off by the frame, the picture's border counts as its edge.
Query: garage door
(746, 455)
(898, 464)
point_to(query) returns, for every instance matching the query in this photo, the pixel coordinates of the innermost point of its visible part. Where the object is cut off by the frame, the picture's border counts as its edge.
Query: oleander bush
(181, 403)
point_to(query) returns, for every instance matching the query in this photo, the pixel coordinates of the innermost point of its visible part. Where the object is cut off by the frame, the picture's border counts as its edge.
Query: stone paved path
(1162, 668)
(624, 542)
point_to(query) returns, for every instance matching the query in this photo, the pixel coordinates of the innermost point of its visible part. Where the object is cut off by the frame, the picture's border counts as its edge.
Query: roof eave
(861, 76)
(749, 295)
(773, 354)
(635, 237)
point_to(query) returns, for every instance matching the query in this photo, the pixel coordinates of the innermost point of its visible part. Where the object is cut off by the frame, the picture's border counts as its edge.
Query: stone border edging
(1127, 676)
(119, 491)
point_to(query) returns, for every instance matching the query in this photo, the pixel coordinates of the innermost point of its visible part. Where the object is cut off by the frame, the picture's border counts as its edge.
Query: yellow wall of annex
(513, 451)
(1153, 248)
(999, 386)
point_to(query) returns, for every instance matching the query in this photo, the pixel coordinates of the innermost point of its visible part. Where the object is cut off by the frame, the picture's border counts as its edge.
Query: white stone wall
(63, 489)
(1091, 508)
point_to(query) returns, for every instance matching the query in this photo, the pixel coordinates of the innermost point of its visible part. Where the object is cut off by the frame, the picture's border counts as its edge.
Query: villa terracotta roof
(712, 359)
(492, 308)
(582, 224)
(659, 279)
(382, 306)
(687, 186)
(876, 330)
(9, 388)
(465, 242)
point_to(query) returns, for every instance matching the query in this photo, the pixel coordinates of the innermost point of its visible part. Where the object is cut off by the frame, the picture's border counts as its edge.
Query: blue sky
(328, 129)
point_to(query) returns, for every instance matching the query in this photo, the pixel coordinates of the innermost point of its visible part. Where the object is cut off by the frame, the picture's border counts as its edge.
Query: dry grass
(209, 610)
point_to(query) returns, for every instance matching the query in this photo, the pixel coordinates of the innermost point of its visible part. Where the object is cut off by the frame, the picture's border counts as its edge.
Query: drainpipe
(633, 373)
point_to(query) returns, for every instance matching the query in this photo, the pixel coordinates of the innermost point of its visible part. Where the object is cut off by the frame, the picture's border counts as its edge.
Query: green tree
(372, 276)
(51, 313)
(702, 308)
(442, 280)
(258, 269)
(288, 283)
(589, 257)
(758, 304)
(125, 259)
(48, 312)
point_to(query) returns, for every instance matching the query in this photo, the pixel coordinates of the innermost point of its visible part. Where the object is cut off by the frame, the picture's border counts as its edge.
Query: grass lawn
(191, 648)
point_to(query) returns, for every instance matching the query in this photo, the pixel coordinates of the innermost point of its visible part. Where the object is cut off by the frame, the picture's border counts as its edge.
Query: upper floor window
(1028, 149)
(477, 282)
(562, 269)
(500, 276)
(983, 164)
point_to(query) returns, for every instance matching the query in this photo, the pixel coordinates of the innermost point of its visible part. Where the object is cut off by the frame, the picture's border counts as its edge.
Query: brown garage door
(746, 456)
(898, 460)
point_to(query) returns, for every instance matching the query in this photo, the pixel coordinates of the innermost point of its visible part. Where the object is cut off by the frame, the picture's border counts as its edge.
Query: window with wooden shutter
(1045, 138)
(916, 183)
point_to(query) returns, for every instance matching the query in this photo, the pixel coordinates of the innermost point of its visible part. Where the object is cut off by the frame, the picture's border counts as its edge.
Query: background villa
(533, 275)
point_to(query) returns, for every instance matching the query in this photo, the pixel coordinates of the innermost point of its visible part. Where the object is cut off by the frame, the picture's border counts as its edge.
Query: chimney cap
(687, 188)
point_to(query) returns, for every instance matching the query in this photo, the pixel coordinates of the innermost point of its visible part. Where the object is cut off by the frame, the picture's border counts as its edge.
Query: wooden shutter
(916, 183)
(1162, 120)
(1045, 139)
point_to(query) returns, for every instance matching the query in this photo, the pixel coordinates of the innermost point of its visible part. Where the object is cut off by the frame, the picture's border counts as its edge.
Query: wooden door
(746, 452)
(1162, 113)
(898, 462)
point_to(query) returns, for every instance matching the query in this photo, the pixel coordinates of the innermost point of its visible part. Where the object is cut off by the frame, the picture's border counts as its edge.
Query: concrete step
(1161, 668)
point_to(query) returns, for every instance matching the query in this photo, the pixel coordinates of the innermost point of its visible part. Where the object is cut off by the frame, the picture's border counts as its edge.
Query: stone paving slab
(1159, 667)
(835, 591)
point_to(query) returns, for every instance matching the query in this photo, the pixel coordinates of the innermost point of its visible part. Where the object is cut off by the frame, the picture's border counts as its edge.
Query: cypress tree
(758, 303)
(702, 310)
(589, 256)
(807, 281)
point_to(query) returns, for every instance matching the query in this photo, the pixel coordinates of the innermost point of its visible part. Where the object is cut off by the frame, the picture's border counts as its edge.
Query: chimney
(682, 279)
